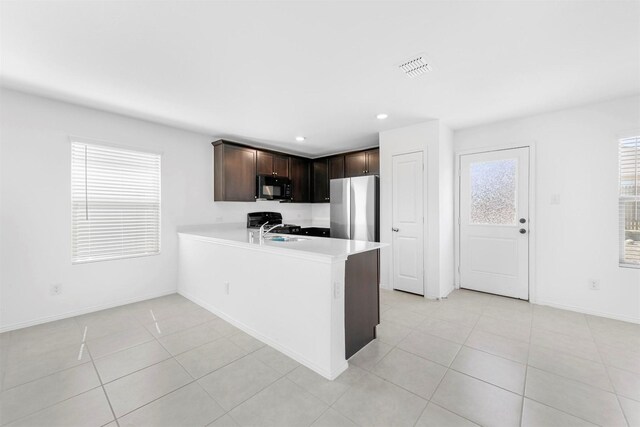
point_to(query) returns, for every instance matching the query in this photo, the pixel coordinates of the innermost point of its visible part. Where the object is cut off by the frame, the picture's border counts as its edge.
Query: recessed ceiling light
(300, 138)
(382, 116)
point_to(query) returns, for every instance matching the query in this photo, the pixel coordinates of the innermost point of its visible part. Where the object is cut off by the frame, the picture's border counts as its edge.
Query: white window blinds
(630, 201)
(115, 198)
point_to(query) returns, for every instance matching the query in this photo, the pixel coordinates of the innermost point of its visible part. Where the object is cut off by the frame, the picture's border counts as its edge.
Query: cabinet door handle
(395, 230)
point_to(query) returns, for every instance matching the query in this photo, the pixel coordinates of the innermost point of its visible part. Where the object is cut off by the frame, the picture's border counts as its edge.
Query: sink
(285, 238)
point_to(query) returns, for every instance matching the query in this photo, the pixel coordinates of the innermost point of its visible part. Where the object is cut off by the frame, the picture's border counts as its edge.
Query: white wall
(320, 214)
(446, 210)
(576, 158)
(35, 217)
(434, 140)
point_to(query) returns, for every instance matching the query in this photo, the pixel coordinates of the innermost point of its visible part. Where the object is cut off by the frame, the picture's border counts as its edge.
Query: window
(630, 201)
(493, 192)
(115, 203)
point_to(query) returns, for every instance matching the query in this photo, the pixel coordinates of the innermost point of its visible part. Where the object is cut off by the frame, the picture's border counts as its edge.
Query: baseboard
(257, 335)
(47, 319)
(386, 286)
(446, 293)
(587, 311)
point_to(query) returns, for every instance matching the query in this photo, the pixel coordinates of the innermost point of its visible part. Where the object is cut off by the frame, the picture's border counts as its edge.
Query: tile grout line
(68, 398)
(562, 411)
(171, 356)
(101, 385)
(526, 372)
(615, 392)
(52, 405)
(222, 367)
(104, 391)
(448, 368)
(558, 409)
(194, 380)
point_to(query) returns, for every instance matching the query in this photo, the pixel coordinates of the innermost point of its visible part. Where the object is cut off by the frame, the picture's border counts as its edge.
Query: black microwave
(270, 187)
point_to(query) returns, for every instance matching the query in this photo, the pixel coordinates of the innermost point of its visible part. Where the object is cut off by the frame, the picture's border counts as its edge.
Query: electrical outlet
(594, 284)
(55, 289)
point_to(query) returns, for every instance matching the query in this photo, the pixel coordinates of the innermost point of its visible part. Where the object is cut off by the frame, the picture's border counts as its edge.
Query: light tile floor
(473, 359)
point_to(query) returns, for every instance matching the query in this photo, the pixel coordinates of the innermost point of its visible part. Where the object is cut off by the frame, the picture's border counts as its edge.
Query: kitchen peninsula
(314, 299)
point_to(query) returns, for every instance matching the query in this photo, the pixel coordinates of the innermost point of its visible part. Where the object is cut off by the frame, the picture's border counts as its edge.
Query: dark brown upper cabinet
(320, 180)
(362, 163)
(336, 167)
(373, 161)
(355, 164)
(272, 164)
(234, 170)
(300, 180)
(237, 165)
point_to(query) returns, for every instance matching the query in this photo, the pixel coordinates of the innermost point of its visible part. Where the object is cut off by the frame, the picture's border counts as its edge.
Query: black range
(257, 219)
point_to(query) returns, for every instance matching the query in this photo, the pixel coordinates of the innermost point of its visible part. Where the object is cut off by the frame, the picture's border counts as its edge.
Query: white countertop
(238, 235)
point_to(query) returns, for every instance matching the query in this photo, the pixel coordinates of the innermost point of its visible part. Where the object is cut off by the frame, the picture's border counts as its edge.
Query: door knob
(522, 220)
(395, 230)
(523, 231)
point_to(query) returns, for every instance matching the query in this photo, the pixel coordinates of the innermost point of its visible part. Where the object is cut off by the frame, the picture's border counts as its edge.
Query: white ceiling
(269, 71)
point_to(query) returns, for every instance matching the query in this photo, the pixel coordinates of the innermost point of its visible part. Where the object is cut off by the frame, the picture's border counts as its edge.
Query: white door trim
(532, 208)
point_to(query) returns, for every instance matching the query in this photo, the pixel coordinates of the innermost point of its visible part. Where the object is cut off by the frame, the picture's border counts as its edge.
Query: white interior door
(494, 222)
(408, 223)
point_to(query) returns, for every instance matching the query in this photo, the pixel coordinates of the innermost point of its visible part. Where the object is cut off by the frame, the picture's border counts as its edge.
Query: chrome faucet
(264, 232)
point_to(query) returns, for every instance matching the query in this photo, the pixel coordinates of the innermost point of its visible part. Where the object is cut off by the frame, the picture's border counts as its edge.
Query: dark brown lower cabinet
(361, 300)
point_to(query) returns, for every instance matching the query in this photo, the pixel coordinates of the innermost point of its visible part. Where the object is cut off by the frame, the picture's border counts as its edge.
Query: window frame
(123, 147)
(621, 237)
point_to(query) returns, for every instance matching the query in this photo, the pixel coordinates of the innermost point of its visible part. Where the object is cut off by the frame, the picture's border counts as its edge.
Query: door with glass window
(494, 222)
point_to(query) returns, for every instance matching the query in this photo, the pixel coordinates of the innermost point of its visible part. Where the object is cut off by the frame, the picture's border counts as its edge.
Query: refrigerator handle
(351, 210)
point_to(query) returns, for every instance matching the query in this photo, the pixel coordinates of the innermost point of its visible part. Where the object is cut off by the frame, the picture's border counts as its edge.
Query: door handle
(523, 231)
(395, 230)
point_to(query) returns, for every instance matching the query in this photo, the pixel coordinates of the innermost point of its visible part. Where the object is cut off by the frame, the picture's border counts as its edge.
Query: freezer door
(364, 195)
(340, 209)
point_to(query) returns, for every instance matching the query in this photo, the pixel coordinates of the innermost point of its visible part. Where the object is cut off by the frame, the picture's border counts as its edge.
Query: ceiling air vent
(416, 66)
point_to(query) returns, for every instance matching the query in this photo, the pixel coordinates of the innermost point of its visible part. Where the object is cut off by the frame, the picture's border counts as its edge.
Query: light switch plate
(337, 289)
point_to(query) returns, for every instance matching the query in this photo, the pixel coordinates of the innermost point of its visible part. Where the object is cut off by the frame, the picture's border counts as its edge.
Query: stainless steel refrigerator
(355, 207)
